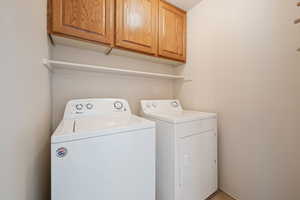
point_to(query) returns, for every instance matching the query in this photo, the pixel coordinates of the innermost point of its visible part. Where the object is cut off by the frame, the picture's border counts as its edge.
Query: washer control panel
(160, 105)
(82, 107)
(106, 107)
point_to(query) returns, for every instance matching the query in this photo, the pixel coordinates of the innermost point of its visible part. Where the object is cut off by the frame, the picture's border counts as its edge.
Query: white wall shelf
(54, 64)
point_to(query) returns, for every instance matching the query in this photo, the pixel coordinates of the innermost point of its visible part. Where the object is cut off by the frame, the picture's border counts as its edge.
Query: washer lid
(180, 116)
(88, 127)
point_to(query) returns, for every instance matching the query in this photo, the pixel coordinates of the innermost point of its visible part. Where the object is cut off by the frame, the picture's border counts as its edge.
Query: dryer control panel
(161, 106)
(105, 107)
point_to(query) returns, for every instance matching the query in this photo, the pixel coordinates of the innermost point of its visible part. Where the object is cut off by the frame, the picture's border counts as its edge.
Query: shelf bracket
(47, 64)
(297, 21)
(108, 51)
(51, 39)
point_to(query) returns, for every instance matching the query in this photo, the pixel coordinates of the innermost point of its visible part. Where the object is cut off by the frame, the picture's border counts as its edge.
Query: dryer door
(198, 154)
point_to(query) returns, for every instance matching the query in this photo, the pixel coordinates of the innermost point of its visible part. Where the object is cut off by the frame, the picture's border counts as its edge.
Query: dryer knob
(175, 104)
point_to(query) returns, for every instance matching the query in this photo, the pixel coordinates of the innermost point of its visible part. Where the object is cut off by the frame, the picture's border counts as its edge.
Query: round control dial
(118, 105)
(79, 107)
(154, 105)
(174, 104)
(89, 106)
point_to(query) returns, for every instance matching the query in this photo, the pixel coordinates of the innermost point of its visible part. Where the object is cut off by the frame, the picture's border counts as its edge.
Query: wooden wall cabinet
(151, 27)
(91, 20)
(136, 25)
(172, 32)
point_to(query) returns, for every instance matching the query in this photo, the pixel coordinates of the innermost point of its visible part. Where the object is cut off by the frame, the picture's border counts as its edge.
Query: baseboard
(213, 195)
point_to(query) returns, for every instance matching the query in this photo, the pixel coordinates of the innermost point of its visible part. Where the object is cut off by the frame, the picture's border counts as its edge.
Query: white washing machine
(186, 150)
(101, 151)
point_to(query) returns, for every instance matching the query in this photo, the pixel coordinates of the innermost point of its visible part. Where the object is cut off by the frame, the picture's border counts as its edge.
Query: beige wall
(244, 66)
(67, 85)
(25, 101)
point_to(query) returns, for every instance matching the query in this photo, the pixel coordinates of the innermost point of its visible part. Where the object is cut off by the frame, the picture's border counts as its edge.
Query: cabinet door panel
(85, 19)
(172, 32)
(136, 26)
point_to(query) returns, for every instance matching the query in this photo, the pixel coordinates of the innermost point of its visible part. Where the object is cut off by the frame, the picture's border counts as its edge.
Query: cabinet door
(91, 20)
(172, 32)
(136, 25)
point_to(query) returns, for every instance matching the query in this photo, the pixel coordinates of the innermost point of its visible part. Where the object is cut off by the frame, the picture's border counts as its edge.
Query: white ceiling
(184, 4)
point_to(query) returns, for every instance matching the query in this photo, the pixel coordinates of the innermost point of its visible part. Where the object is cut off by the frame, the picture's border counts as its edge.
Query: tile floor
(221, 196)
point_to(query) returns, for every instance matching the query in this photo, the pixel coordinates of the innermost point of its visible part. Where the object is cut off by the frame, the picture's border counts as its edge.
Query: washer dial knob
(118, 105)
(89, 106)
(79, 107)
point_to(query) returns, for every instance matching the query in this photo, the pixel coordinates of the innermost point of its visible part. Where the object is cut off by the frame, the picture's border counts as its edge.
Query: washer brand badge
(61, 152)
